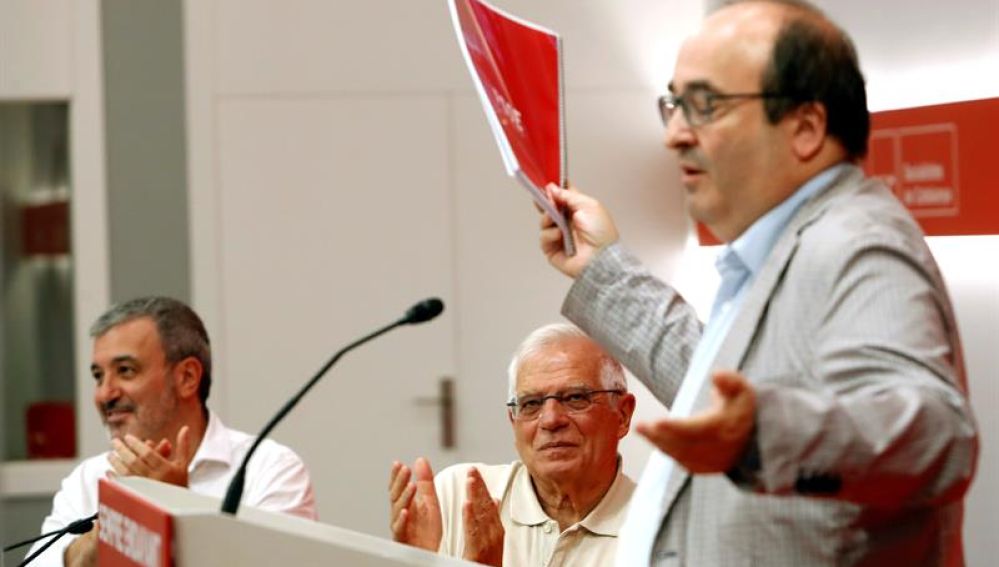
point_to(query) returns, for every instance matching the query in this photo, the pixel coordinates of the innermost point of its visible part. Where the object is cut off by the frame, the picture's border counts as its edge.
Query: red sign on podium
(131, 531)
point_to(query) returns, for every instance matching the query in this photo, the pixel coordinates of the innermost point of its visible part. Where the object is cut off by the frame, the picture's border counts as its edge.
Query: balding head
(811, 59)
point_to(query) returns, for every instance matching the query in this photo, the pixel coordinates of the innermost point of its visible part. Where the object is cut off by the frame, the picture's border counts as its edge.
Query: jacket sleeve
(878, 415)
(641, 321)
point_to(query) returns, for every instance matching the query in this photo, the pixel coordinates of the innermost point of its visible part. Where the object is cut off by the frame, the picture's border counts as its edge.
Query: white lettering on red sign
(509, 111)
(128, 537)
(923, 172)
(928, 196)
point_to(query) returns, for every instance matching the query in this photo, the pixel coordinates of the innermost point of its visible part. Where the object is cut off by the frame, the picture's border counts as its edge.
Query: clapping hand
(163, 461)
(415, 510)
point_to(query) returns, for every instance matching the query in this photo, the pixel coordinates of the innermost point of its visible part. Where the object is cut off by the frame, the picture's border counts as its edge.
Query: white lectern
(152, 524)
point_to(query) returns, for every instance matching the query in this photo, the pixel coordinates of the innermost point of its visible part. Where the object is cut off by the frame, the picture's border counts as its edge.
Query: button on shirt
(737, 264)
(532, 538)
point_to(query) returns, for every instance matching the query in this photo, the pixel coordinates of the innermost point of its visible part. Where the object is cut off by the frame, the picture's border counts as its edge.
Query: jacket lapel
(740, 335)
(736, 344)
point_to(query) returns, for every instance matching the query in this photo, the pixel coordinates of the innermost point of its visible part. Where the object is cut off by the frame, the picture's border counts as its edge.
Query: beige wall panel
(335, 219)
(36, 49)
(271, 46)
(623, 44)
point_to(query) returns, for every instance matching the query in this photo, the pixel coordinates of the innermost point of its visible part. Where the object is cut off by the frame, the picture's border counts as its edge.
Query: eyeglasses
(699, 104)
(527, 408)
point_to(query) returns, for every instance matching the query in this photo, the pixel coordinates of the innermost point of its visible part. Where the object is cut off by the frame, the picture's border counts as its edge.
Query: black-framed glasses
(526, 408)
(699, 104)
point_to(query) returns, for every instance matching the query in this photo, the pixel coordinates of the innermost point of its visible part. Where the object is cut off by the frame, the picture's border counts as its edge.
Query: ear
(626, 407)
(809, 130)
(187, 377)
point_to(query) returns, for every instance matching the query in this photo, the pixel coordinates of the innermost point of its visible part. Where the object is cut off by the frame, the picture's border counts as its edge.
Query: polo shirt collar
(604, 519)
(608, 516)
(525, 508)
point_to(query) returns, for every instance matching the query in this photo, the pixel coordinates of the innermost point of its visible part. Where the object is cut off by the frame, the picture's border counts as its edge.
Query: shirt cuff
(746, 472)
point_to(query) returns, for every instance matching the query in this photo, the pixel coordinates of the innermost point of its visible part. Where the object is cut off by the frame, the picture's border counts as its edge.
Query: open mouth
(689, 172)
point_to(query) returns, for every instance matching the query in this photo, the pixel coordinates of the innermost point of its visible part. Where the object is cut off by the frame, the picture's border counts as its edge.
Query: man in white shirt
(152, 371)
(564, 501)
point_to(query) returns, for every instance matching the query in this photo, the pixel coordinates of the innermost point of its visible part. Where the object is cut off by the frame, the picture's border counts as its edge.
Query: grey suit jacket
(864, 442)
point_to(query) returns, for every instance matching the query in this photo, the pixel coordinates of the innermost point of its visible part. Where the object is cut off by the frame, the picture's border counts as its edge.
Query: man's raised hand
(131, 456)
(415, 510)
(484, 531)
(592, 228)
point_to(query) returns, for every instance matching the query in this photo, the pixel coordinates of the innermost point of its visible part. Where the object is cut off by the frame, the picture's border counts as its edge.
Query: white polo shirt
(532, 538)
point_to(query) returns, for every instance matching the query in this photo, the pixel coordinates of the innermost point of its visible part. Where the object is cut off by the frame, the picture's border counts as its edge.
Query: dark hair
(812, 64)
(813, 60)
(182, 334)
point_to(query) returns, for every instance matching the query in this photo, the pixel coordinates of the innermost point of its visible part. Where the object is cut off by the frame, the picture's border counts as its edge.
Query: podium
(143, 522)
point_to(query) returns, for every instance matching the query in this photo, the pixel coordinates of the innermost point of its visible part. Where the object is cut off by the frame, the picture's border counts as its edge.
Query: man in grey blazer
(820, 416)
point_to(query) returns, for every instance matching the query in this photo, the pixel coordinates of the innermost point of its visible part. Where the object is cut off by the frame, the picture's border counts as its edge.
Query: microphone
(420, 313)
(423, 311)
(81, 526)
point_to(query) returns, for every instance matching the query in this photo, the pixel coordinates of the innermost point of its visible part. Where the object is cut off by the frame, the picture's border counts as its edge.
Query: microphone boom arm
(423, 311)
(81, 526)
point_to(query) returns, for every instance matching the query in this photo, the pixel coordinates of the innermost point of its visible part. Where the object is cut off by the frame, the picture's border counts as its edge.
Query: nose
(553, 415)
(679, 134)
(106, 390)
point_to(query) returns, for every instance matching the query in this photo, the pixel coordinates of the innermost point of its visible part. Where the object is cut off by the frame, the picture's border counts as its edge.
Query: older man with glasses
(564, 501)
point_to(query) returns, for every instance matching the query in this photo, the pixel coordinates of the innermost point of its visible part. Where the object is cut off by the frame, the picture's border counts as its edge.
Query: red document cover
(516, 67)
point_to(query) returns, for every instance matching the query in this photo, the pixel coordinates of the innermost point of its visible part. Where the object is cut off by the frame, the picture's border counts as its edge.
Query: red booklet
(516, 67)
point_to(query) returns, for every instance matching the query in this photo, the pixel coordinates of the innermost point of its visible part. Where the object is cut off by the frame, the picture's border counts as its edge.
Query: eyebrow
(116, 360)
(701, 85)
(567, 389)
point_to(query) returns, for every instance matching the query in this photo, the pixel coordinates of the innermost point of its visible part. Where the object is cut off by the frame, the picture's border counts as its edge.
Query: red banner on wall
(939, 161)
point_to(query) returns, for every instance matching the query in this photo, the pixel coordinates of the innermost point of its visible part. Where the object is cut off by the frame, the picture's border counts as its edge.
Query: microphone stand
(419, 313)
(81, 526)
